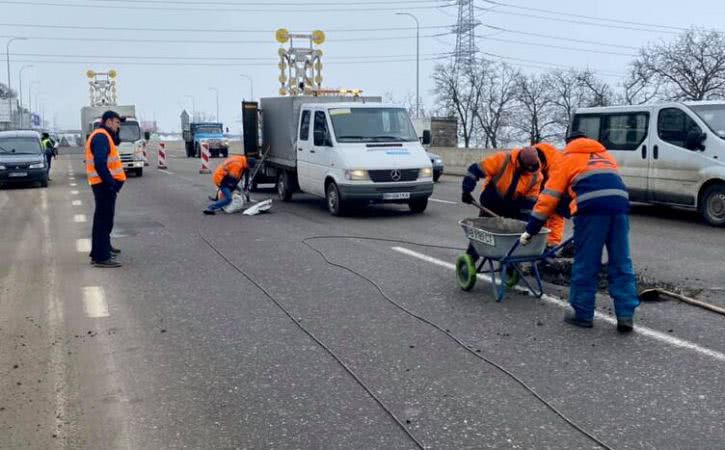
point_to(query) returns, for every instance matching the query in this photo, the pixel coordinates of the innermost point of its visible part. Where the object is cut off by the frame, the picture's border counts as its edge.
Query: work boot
(625, 324)
(108, 264)
(115, 251)
(572, 319)
(209, 212)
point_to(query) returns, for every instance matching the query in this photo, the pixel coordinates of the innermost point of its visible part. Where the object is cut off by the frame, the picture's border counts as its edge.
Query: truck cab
(351, 153)
(209, 133)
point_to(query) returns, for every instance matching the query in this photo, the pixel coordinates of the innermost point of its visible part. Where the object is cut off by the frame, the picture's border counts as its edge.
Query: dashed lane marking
(80, 218)
(73, 185)
(76, 203)
(83, 245)
(639, 329)
(94, 302)
(442, 201)
(167, 172)
(73, 192)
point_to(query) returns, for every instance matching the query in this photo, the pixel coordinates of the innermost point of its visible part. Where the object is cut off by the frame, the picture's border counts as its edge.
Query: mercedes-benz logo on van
(395, 175)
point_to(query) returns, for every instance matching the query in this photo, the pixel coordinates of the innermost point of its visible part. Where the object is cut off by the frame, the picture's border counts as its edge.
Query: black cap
(111, 115)
(575, 135)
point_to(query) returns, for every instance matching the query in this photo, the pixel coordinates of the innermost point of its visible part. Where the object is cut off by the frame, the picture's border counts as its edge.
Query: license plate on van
(396, 196)
(17, 174)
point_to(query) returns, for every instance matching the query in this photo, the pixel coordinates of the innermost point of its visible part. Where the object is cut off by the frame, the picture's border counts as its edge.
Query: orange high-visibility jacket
(234, 167)
(115, 166)
(551, 158)
(590, 176)
(499, 171)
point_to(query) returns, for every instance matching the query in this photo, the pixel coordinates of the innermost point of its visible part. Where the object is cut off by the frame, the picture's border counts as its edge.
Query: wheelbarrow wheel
(466, 272)
(512, 276)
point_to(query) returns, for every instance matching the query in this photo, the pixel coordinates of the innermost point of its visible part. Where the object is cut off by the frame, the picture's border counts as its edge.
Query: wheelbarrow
(502, 258)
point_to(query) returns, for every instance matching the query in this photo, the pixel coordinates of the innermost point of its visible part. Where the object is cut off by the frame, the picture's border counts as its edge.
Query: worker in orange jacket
(227, 178)
(511, 186)
(550, 158)
(599, 206)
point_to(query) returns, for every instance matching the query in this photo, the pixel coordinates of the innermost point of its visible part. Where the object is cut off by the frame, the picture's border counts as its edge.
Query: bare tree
(407, 101)
(456, 96)
(535, 115)
(6, 93)
(567, 94)
(497, 95)
(639, 87)
(597, 92)
(690, 68)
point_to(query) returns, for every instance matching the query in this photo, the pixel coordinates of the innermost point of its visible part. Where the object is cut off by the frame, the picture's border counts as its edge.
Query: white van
(671, 153)
(351, 153)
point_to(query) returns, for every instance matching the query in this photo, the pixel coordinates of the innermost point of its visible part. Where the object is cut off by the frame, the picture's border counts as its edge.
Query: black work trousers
(105, 199)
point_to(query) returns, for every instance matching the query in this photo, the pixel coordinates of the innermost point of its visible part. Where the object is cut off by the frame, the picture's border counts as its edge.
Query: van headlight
(426, 172)
(357, 175)
(39, 165)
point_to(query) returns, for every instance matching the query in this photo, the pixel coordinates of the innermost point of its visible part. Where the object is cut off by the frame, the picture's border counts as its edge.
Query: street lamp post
(30, 101)
(251, 84)
(7, 56)
(20, 92)
(417, 62)
(216, 91)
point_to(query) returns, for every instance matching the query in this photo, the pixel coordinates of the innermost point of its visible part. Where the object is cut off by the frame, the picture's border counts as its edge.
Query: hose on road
(443, 330)
(309, 333)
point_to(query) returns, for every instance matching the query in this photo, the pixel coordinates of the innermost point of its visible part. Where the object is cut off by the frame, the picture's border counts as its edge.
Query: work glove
(525, 238)
(467, 198)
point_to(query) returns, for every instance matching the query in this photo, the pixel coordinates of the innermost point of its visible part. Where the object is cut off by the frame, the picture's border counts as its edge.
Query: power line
(551, 65)
(273, 3)
(245, 10)
(577, 22)
(561, 38)
(560, 47)
(581, 16)
(206, 30)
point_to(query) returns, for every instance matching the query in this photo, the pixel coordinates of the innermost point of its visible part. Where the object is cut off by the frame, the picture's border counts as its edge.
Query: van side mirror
(695, 140)
(322, 138)
(427, 138)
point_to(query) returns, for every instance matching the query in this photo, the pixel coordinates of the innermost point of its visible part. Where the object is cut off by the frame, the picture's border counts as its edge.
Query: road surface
(233, 332)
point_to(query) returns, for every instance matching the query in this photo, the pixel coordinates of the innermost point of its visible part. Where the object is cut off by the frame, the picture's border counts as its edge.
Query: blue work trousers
(226, 198)
(591, 235)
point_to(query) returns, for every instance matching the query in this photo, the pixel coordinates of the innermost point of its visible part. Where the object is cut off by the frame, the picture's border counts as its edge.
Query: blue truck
(197, 133)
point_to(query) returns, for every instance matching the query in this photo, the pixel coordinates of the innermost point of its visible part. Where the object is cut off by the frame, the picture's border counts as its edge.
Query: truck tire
(225, 153)
(418, 206)
(138, 172)
(197, 151)
(44, 182)
(284, 186)
(713, 205)
(335, 204)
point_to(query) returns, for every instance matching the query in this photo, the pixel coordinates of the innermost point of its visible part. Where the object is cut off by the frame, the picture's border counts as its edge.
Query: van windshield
(372, 125)
(129, 132)
(713, 116)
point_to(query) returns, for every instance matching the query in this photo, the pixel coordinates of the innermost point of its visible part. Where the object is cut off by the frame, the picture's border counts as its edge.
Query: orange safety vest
(500, 169)
(114, 164)
(234, 166)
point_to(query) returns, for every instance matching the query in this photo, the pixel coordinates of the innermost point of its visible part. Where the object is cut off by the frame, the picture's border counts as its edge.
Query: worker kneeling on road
(600, 206)
(227, 178)
(511, 184)
(550, 157)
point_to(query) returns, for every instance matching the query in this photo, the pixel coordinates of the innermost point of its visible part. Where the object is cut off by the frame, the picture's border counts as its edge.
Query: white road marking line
(73, 192)
(80, 218)
(94, 302)
(639, 329)
(442, 201)
(83, 245)
(73, 185)
(76, 203)
(167, 172)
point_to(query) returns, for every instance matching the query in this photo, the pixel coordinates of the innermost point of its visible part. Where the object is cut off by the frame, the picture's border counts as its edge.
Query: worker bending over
(512, 183)
(550, 158)
(599, 206)
(227, 177)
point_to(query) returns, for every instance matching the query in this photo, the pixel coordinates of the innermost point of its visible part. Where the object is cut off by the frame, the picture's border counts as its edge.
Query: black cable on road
(318, 341)
(453, 337)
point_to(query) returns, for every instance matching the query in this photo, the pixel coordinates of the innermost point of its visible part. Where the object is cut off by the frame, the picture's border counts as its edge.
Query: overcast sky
(158, 76)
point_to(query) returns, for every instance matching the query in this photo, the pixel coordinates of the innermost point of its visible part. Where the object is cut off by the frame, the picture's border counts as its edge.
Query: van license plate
(18, 174)
(396, 196)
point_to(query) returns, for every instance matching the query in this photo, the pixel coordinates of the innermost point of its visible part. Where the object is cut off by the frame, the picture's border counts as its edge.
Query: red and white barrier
(205, 155)
(162, 156)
